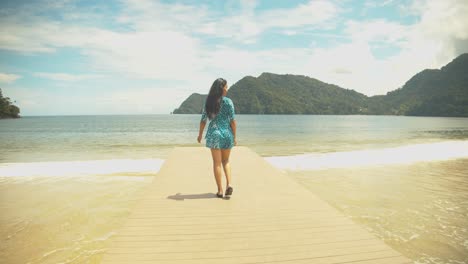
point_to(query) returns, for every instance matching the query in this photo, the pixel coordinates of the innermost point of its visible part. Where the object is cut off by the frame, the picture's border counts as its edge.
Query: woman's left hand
(199, 139)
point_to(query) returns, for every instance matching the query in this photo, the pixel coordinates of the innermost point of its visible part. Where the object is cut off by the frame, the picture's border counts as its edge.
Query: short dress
(219, 134)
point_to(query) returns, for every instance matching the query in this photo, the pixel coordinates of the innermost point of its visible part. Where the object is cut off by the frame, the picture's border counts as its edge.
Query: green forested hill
(292, 94)
(441, 92)
(191, 105)
(7, 109)
(284, 94)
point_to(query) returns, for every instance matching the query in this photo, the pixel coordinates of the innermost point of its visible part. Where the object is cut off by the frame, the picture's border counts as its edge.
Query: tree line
(7, 108)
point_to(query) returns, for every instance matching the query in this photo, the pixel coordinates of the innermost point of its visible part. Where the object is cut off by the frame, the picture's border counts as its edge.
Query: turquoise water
(59, 138)
(67, 183)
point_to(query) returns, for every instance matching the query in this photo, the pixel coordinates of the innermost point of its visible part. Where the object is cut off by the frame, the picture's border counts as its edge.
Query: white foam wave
(80, 168)
(361, 158)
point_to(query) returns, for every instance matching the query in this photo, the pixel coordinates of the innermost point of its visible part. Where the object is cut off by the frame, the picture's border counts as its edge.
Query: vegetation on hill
(192, 105)
(291, 94)
(441, 92)
(7, 109)
(283, 94)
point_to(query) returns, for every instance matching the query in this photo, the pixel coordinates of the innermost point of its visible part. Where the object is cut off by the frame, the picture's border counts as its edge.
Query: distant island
(435, 92)
(7, 109)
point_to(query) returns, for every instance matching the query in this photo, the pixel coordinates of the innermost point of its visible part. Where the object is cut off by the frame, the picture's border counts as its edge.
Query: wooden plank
(269, 219)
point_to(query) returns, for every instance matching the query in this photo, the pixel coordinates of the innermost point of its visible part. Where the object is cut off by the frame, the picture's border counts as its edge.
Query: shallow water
(72, 138)
(421, 210)
(63, 219)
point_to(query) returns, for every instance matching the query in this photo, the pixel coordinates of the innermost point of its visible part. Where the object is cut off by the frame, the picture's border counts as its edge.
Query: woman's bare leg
(217, 161)
(225, 153)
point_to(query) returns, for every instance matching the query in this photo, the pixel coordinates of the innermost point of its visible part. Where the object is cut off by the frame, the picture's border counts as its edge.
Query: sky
(70, 57)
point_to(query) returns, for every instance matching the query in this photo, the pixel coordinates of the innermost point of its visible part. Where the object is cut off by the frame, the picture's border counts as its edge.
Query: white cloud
(243, 25)
(161, 47)
(162, 55)
(66, 76)
(45, 36)
(443, 23)
(143, 100)
(156, 54)
(247, 25)
(137, 100)
(425, 44)
(8, 77)
(434, 40)
(431, 42)
(379, 30)
(374, 3)
(313, 13)
(439, 36)
(147, 15)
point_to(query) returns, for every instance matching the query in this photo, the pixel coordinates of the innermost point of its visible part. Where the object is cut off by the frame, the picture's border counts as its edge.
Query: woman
(221, 134)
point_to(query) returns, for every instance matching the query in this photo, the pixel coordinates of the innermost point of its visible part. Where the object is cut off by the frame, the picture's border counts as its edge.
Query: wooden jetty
(270, 218)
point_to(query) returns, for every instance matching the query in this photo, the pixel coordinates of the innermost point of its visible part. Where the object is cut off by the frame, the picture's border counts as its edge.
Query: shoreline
(405, 154)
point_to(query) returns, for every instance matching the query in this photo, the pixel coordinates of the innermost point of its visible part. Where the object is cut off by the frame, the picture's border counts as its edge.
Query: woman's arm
(202, 124)
(200, 132)
(234, 127)
(232, 117)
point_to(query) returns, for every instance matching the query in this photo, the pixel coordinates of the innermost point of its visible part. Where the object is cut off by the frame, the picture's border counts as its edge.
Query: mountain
(431, 92)
(192, 105)
(283, 94)
(292, 94)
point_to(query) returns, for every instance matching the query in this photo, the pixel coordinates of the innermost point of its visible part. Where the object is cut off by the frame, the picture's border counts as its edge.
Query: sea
(67, 183)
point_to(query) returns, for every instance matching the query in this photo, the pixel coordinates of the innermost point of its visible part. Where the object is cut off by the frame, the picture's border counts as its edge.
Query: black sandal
(219, 195)
(229, 191)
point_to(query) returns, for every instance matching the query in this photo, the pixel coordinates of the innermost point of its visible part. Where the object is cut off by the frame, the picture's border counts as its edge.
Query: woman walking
(221, 134)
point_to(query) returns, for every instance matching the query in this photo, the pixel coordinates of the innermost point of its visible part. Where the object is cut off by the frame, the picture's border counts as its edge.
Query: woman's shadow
(181, 197)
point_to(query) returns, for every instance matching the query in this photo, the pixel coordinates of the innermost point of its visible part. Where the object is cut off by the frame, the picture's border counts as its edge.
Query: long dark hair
(213, 101)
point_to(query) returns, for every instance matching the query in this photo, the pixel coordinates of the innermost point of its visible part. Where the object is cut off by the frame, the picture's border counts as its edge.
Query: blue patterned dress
(219, 134)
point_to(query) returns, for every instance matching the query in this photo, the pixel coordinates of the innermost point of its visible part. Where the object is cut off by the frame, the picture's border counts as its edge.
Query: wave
(312, 161)
(125, 167)
(361, 158)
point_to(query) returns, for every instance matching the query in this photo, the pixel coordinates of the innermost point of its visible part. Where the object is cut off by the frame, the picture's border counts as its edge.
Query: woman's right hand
(235, 142)
(199, 138)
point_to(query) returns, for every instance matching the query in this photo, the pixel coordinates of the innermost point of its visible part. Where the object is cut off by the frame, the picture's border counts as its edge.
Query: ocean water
(68, 182)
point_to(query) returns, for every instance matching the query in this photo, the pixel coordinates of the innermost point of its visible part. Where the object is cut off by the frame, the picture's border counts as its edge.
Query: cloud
(137, 100)
(45, 36)
(8, 78)
(143, 100)
(439, 35)
(373, 3)
(242, 25)
(424, 44)
(247, 25)
(147, 15)
(443, 23)
(157, 54)
(66, 76)
(313, 13)
(161, 46)
(163, 55)
(378, 30)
